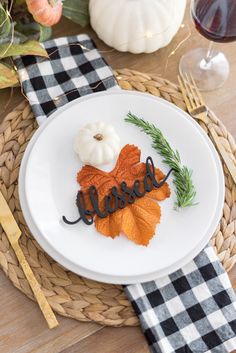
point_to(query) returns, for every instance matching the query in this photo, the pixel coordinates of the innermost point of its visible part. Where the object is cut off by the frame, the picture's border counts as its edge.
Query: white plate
(49, 168)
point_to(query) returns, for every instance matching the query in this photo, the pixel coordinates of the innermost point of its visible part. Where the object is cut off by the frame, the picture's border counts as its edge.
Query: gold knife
(13, 233)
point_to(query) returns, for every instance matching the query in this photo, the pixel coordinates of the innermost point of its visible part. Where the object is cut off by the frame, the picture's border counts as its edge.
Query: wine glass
(215, 20)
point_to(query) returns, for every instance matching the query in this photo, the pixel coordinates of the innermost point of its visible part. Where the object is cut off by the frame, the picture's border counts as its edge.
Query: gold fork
(198, 110)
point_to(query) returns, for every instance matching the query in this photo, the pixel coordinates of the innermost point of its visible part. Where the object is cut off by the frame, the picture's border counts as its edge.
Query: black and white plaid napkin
(74, 68)
(193, 310)
(190, 311)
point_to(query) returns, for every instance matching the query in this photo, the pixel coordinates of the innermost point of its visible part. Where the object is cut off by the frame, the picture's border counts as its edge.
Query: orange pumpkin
(45, 12)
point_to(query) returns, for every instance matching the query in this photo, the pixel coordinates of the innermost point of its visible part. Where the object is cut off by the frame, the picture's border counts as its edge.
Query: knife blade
(13, 233)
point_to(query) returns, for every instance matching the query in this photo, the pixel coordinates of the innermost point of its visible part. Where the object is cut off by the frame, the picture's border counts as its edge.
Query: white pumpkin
(137, 26)
(97, 143)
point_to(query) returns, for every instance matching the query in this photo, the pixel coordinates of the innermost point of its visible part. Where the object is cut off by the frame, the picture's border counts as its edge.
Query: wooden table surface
(22, 327)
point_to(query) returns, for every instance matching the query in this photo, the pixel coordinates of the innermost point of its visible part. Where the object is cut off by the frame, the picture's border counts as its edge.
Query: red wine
(215, 19)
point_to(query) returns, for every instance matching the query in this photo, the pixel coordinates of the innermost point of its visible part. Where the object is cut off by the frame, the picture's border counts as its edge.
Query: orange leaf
(140, 220)
(111, 225)
(89, 176)
(103, 181)
(139, 172)
(137, 221)
(128, 158)
(160, 194)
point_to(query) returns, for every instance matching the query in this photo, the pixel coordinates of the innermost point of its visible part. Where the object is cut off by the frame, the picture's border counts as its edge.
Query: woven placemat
(68, 294)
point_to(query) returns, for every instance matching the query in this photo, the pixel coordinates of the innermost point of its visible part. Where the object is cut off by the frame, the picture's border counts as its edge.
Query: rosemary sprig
(185, 190)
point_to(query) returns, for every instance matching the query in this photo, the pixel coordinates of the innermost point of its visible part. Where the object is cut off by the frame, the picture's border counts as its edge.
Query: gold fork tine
(196, 89)
(193, 94)
(188, 90)
(187, 102)
(199, 111)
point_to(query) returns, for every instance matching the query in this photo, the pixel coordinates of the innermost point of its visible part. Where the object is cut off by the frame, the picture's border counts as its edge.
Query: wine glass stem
(209, 52)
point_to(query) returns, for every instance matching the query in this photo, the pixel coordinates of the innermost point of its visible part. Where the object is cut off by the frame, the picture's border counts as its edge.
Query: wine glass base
(208, 75)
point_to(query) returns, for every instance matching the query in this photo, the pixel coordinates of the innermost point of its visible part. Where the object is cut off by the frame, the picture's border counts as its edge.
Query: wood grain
(22, 328)
(111, 341)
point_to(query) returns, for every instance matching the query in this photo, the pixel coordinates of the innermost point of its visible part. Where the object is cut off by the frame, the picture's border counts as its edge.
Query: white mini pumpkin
(137, 26)
(97, 143)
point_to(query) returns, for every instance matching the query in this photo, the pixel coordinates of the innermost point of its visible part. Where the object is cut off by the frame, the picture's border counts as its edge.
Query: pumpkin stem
(98, 137)
(52, 2)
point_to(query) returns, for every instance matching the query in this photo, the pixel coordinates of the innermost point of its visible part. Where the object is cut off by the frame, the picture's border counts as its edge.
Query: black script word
(117, 199)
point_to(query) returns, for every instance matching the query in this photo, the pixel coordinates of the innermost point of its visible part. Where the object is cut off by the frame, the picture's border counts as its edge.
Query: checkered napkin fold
(190, 311)
(74, 68)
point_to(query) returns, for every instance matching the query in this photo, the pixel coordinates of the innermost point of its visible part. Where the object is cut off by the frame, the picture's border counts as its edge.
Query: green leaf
(8, 76)
(19, 2)
(28, 29)
(31, 47)
(45, 33)
(184, 187)
(34, 31)
(5, 23)
(18, 38)
(19, 35)
(77, 11)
